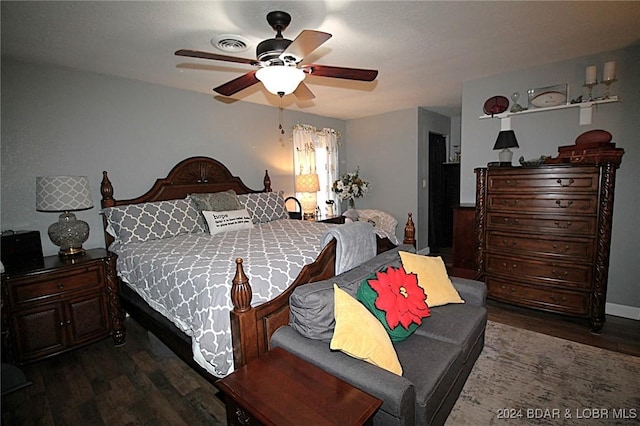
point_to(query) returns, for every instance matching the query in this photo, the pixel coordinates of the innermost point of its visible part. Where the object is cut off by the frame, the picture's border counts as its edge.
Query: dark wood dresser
(58, 305)
(544, 235)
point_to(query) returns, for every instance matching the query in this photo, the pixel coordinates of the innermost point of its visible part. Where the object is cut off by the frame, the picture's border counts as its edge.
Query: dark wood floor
(135, 385)
(104, 385)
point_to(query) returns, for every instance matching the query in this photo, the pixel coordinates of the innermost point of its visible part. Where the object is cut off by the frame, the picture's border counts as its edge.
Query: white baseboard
(623, 311)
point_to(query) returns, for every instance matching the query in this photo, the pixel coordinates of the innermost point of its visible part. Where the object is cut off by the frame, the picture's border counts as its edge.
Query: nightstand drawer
(54, 285)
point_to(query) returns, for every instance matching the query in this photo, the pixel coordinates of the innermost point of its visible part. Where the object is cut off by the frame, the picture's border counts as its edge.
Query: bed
(253, 310)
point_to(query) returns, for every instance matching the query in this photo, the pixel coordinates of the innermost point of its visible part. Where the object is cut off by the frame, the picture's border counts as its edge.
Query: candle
(590, 77)
(609, 71)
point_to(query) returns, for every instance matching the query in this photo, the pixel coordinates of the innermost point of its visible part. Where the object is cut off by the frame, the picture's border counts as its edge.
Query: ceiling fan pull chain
(280, 117)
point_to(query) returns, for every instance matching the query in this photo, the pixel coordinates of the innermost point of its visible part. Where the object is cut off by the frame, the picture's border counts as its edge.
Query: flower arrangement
(351, 186)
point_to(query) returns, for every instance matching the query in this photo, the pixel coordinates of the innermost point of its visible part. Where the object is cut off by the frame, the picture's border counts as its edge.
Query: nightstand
(331, 219)
(59, 304)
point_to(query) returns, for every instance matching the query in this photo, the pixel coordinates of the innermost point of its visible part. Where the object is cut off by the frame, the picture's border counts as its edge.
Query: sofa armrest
(396, 392)
(473, 292)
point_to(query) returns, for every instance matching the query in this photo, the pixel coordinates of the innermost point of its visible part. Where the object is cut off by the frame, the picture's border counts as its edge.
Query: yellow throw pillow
(432, 277)
(359, 334)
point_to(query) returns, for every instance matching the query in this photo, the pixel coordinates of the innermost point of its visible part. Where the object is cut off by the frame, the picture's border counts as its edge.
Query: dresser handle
(507, 268)
(60, 286)
(563, 298)
(559, 274)
(506, 243)
(562, 225)
(565, 185)
(563, 250)
(514, 183)
(242, 417)
(568, 204)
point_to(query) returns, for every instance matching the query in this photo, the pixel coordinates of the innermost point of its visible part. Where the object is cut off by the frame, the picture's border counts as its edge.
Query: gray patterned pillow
(215, 201)
(152, 221)
(265, 206)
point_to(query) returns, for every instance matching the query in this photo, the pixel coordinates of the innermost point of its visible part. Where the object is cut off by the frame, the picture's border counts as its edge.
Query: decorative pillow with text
(232, 220)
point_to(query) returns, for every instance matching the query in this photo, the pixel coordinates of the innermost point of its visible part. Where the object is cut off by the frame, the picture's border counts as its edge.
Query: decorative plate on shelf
(495, 105)
(548, 96)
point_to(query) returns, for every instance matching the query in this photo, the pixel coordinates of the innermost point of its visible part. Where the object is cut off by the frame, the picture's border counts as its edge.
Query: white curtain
(316, 151)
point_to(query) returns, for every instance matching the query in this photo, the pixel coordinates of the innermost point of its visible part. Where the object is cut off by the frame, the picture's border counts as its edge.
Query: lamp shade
(62, 193)
(506, 139)
(280, 79)
(307, 183)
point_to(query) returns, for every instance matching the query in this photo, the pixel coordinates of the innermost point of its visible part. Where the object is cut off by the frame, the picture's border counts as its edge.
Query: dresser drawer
(544, 203)
(580, 249)
(565, 274)
(55, 284)
(531, 223)
(544, 180)
(562, 301)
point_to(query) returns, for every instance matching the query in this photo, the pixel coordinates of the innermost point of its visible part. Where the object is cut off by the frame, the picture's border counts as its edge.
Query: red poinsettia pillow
(396, 299)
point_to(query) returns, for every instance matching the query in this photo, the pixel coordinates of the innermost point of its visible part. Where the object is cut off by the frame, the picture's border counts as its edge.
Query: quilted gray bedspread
(188, 278)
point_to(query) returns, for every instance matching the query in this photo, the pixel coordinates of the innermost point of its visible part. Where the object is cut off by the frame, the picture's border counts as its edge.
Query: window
(316, 152)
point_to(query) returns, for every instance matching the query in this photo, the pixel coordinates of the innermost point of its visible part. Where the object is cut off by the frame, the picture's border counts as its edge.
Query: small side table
(59, 304)
(281, 389)
(331, 219)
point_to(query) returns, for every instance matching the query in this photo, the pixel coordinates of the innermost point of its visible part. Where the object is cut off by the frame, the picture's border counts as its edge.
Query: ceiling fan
(279, 62)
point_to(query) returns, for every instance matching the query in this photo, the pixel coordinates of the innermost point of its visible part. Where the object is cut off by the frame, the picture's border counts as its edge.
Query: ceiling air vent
(230, 43)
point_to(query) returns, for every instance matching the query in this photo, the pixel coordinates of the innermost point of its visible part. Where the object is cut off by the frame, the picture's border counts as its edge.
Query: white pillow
(232, 220)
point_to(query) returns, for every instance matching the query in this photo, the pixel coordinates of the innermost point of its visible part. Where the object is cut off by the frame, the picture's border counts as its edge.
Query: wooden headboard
(193, 175)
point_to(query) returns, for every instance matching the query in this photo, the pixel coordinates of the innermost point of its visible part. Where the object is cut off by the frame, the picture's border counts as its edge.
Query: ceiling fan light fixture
(280, 79)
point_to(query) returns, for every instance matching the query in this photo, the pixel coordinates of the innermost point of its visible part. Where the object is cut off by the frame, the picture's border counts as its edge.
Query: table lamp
(65, 194)
(506, 139)
(308, 185)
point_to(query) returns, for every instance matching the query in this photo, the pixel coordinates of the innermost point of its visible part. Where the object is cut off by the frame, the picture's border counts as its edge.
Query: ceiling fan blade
(214, 56)
(306, 42)
(237, 84)
(303, 93)
(340, 72)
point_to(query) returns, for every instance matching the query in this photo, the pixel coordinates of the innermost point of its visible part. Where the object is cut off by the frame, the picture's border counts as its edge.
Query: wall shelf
(586, 110)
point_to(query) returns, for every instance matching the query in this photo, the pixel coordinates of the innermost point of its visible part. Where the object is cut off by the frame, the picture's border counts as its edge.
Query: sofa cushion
(433, 277)
(433, 367)
(459, 324)
(311, 305)
(359, 334)
(396, 300)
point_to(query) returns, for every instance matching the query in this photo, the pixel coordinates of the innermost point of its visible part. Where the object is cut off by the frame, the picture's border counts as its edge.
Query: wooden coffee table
(282, 389)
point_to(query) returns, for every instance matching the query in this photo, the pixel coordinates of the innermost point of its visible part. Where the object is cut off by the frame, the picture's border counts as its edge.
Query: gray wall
(541, 134)
(57, 121)
(385, 147)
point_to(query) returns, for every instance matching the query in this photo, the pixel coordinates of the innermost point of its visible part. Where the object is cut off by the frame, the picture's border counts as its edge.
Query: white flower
(351, 186)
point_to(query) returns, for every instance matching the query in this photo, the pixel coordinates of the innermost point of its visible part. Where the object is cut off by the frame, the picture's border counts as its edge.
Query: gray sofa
(436, 359)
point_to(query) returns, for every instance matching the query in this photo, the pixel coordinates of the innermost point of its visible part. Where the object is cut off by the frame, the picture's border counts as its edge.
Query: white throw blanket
(355, 244)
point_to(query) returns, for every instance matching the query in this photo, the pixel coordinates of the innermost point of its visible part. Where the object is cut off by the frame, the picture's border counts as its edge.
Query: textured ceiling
(424, 50)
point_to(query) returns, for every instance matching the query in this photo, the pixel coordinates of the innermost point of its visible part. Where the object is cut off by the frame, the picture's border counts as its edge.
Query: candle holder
(590, 87)
(608, 83)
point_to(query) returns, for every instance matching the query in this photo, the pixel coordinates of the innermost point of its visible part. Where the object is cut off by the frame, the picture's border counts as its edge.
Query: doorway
(444, 196)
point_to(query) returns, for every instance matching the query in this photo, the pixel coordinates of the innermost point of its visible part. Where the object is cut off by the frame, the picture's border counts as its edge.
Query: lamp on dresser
(308, 185)
(65, 194)
(506, 139)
